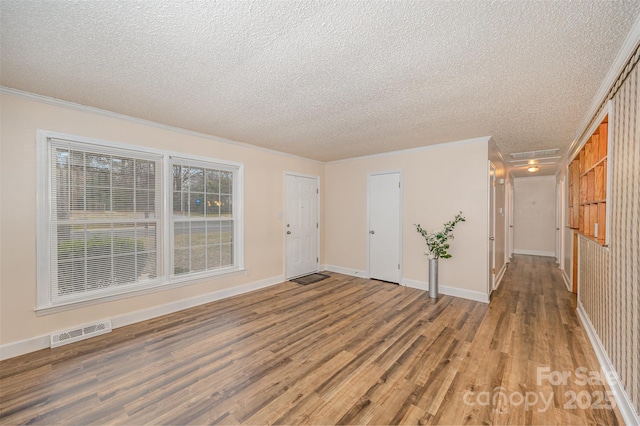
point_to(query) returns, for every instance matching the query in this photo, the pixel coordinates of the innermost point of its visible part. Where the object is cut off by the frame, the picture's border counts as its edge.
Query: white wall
(263, 195)
(535, 215)
(438, 182)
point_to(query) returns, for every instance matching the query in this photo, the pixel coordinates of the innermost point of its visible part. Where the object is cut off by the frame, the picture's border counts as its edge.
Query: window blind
(105, 219)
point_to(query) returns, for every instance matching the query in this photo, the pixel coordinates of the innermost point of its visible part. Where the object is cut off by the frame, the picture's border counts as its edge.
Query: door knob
(288, 232)
(372, 232)
(491, 238)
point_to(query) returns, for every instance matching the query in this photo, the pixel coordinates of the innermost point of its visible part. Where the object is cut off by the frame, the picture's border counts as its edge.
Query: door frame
(507, 218)
(401, 204)
(509, 224)
(560, 220)
(575, 258)
(492, 179)
(284, 219)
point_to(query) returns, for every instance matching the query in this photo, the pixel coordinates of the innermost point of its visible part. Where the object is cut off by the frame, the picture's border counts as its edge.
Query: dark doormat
(309, 279)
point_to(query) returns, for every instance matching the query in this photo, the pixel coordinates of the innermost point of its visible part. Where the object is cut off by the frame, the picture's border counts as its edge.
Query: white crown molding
(413, 150)
(621, 397)
(84, 108)
(493, 143)
(13, 349)
(624, 54)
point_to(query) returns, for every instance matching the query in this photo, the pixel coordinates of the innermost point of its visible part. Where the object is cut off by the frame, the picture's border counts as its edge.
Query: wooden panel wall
(610, 278)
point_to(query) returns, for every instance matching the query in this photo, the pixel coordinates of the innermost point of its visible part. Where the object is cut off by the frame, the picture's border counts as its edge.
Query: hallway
(532, 344)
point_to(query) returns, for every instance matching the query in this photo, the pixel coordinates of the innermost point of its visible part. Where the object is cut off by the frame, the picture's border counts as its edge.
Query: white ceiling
(325, 80)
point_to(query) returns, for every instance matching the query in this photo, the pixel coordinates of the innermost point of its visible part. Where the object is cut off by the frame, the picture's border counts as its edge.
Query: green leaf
(437, 241)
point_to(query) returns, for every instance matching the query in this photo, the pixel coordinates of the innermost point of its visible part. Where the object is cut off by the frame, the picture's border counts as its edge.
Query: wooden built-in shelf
(588, 186)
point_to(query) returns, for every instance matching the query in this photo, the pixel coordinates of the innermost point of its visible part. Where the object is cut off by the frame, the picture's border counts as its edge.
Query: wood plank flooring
(342, 351)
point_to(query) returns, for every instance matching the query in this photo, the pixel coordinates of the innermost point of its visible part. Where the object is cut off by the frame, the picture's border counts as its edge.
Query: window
(113, 219)
(203, 217)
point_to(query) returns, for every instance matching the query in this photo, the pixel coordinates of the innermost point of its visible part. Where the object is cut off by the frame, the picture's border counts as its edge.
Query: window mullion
(167, 236)
(84, 215)
(135, 217)
(189, 213)
(68, 206)
(112, 266)
(209, 200)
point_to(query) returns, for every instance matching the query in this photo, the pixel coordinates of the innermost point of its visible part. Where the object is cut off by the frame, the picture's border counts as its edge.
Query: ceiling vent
(537, 161)
(73, 335)
(527, 155)
(530, 159)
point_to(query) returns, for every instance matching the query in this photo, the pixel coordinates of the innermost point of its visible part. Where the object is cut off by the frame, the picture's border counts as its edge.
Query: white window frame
(165, 279)
(199, 163)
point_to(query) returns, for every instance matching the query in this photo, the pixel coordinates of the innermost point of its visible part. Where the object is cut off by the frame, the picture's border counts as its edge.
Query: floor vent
(69, 336)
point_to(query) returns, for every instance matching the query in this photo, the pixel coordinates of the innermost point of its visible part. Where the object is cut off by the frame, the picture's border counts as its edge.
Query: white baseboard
(21, 347)
(567, 281)
(421, 285)
(345, 271)
(535, 253)
(449, 291)
(13, 349)
(622, 399)
(179, 305)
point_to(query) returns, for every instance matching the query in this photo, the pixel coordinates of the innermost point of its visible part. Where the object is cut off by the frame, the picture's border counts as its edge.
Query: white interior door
(301, 225)
(384, 226)
(492, 226)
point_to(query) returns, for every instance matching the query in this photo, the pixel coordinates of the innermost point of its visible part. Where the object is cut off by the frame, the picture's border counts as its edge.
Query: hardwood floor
(342, 351)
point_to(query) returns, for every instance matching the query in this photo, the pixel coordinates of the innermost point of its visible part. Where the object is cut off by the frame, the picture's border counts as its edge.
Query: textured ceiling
(325, 80)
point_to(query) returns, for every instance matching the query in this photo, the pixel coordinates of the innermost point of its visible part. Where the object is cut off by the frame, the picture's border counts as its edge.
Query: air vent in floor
(80, 333)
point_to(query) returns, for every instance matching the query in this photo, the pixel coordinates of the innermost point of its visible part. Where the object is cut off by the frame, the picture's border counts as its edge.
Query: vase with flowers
(437, 247)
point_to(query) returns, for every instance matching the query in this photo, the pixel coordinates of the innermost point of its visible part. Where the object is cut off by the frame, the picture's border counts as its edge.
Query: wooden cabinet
(588, 186)
(574, 194)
